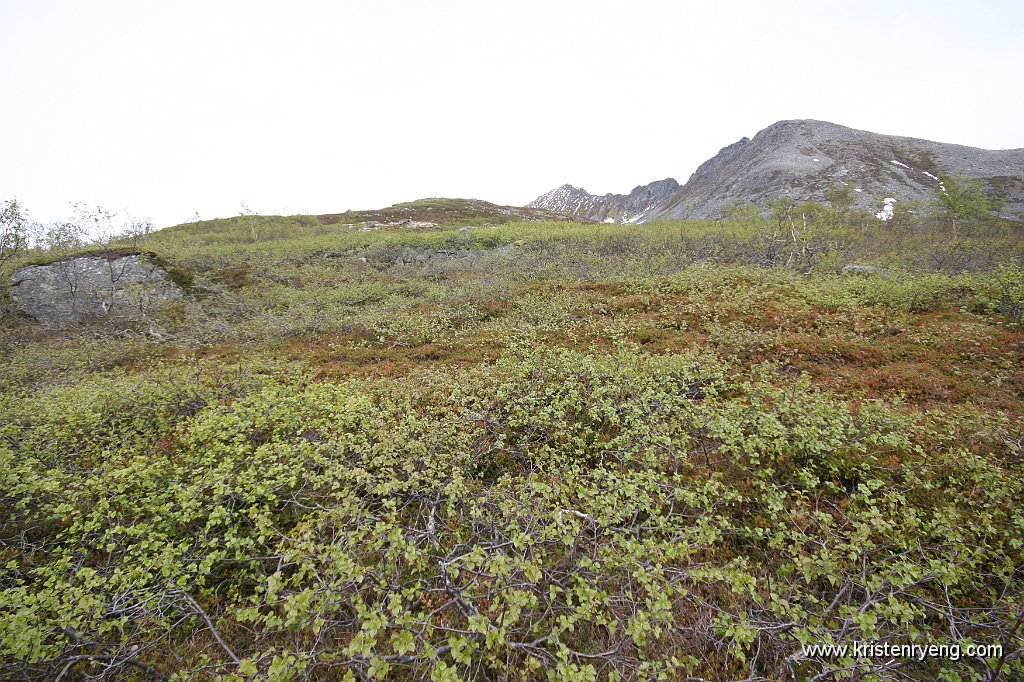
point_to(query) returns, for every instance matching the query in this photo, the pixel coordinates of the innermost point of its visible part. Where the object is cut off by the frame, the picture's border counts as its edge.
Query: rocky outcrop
(803, 159)
(123, 286)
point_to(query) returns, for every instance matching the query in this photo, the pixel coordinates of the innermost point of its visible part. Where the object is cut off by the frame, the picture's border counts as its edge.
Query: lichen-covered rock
(122, 287)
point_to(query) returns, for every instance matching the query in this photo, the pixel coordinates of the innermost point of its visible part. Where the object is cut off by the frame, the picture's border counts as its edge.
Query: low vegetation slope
(533, 450)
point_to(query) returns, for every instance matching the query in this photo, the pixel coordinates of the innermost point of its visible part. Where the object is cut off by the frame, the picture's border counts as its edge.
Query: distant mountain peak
(803, 158)
(610, 208)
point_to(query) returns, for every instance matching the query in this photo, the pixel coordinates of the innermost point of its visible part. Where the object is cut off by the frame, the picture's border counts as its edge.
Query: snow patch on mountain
(888, 209)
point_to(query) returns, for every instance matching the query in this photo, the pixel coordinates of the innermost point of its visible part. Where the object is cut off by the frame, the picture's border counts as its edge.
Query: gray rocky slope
(803, 159)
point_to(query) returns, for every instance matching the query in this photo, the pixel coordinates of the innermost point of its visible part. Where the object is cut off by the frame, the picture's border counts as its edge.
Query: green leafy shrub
(588, 515)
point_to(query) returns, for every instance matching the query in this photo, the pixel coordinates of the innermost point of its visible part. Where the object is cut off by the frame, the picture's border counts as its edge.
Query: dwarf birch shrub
(556, 514)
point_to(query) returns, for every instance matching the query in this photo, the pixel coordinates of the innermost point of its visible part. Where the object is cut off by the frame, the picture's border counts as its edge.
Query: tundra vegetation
(524, 451)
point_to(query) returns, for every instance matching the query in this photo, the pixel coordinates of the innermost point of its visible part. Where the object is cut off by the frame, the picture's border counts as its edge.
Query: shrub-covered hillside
(466, 447)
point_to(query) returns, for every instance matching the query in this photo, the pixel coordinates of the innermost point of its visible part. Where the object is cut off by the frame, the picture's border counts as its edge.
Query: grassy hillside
(495, 449)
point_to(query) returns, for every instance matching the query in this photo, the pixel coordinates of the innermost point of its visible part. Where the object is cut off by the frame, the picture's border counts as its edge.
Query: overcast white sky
(165, 109)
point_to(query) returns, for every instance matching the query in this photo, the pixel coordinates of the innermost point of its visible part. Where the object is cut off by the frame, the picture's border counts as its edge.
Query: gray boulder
(125, 287)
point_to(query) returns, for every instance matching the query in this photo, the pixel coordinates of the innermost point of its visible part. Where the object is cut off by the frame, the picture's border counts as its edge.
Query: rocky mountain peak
(610, 208)
(803, 159)
(567, 199)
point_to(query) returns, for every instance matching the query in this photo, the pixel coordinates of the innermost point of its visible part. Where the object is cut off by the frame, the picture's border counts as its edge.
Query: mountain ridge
(802, 159)
(618, 208)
